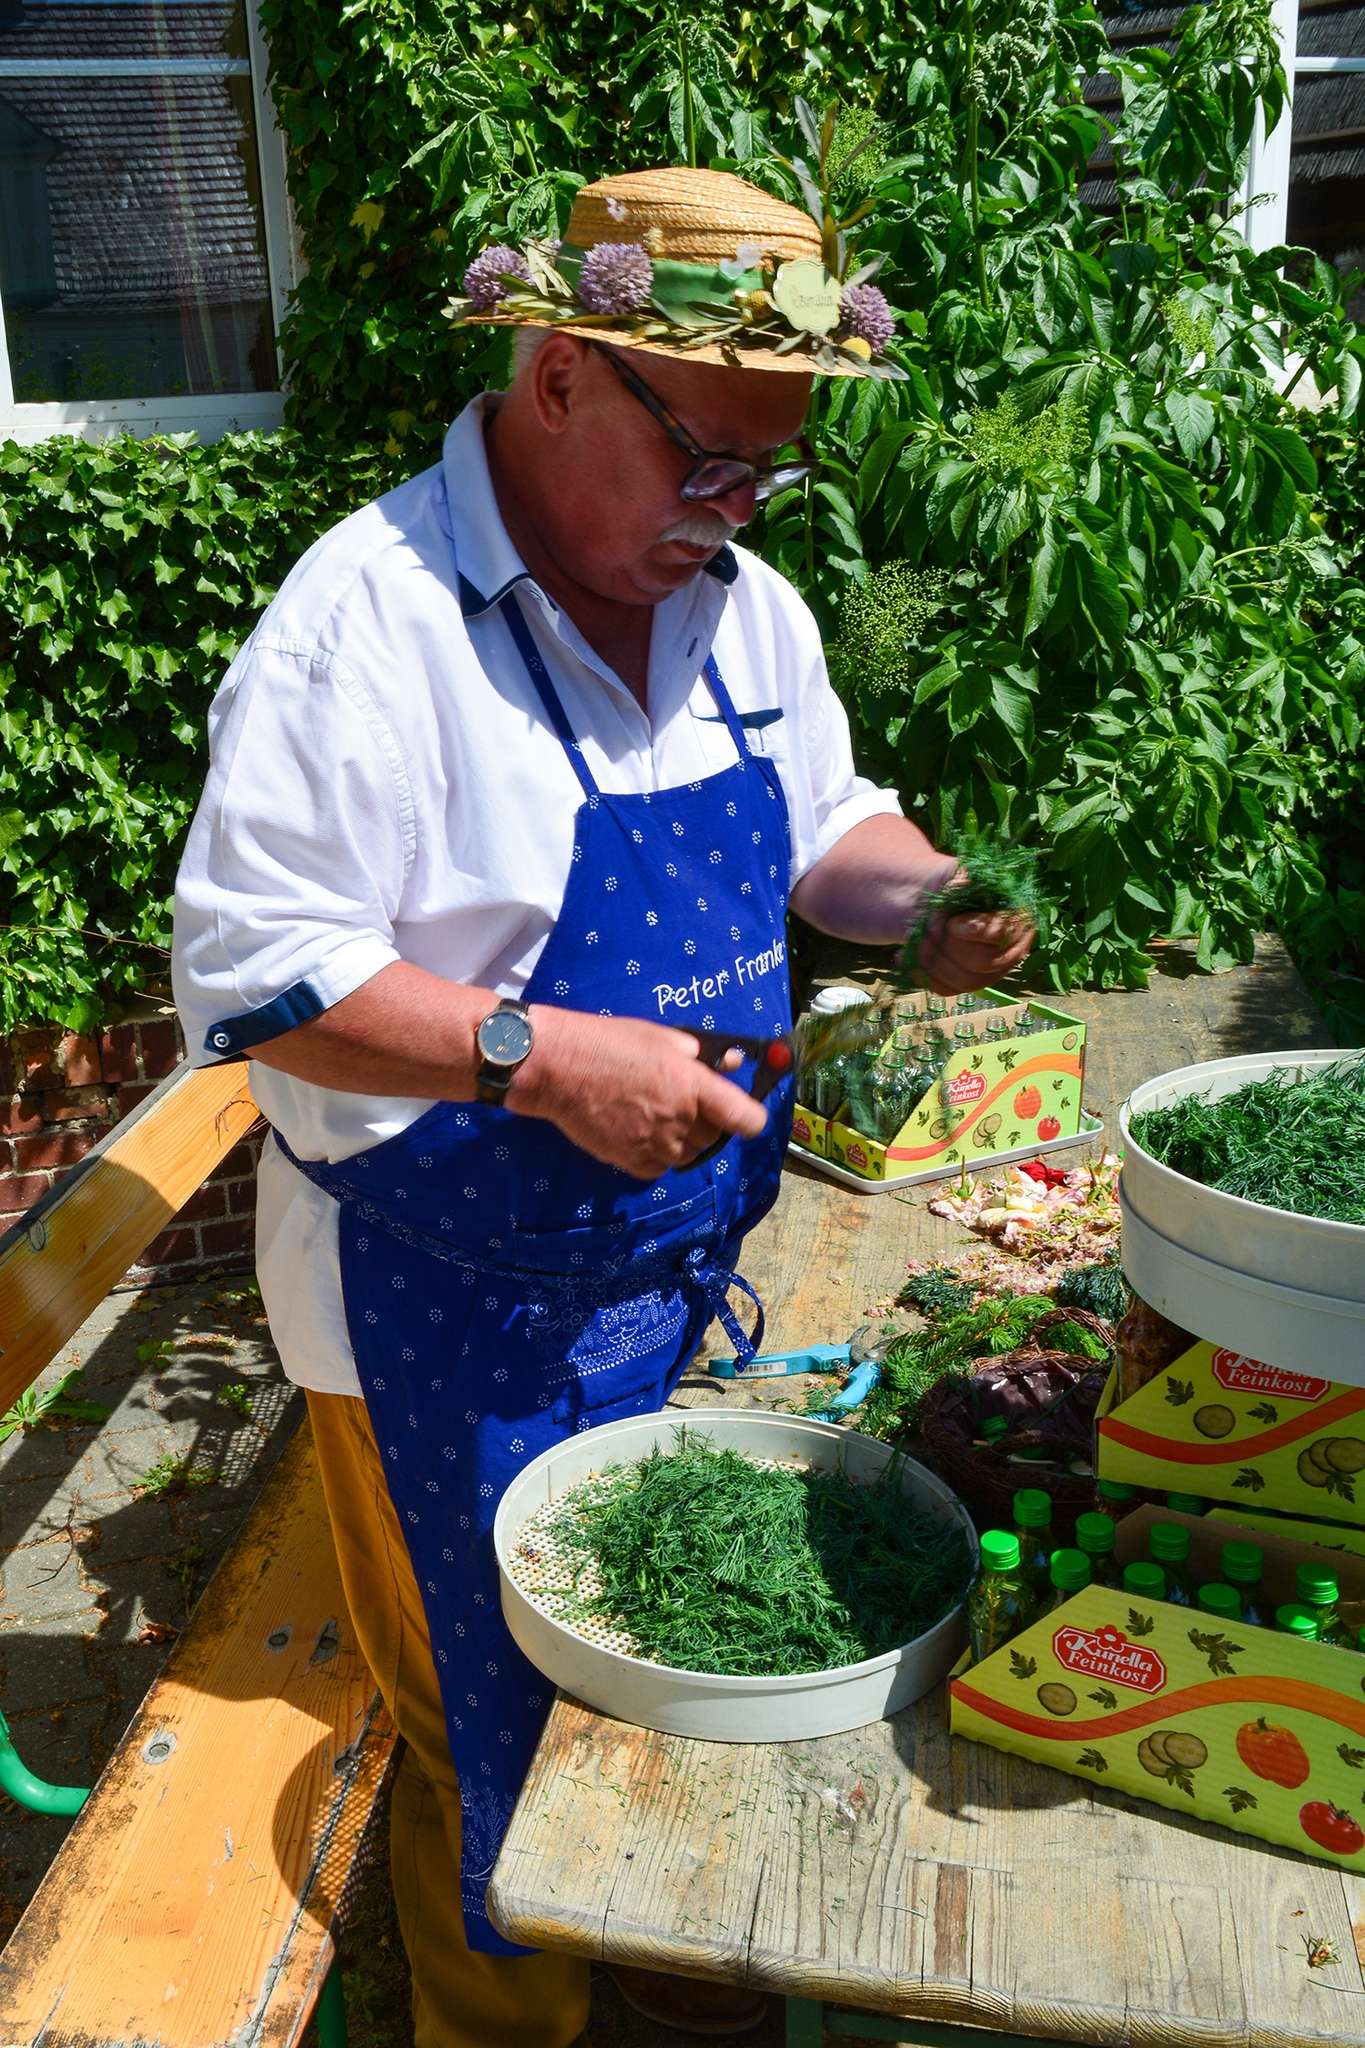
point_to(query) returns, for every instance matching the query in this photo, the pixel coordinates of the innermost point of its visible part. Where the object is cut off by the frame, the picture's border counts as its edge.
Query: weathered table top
(899, 1869)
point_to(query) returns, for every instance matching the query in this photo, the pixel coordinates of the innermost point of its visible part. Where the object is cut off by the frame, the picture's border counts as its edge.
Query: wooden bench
(196, 1899)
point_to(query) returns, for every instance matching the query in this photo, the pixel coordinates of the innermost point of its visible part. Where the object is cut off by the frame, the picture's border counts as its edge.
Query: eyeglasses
(712, 475)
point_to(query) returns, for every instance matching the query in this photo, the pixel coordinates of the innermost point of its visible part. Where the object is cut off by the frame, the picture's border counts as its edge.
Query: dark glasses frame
(713, 473)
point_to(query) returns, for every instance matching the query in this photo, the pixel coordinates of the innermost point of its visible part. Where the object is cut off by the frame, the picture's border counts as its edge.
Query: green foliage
(1091, 584)
(171, 1475)
(130, 571)
(50, 1408)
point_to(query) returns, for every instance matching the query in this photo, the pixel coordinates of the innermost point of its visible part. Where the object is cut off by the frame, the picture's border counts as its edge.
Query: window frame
(212, 414)
(1265, 224)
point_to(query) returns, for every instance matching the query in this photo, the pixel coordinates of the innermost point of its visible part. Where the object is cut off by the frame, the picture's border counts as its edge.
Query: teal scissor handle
(773, 1365)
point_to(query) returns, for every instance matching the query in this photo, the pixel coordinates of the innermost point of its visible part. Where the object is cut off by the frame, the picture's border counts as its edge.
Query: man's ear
(557, 375)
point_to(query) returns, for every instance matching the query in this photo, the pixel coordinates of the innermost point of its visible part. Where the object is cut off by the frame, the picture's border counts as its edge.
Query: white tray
(1287, 1290)
(695, 1703)
(1091, 1126)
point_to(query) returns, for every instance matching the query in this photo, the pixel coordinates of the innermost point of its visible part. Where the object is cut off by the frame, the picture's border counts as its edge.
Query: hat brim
(750, 357)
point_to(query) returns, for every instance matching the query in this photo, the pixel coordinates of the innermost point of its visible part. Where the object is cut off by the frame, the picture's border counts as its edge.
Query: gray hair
(527, 343)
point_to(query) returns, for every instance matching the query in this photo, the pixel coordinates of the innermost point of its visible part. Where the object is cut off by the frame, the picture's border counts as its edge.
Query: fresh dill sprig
(996, 878)
(1283, 1143)
(712, 1562)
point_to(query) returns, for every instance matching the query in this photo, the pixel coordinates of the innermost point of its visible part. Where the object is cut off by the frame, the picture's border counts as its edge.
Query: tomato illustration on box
(1230, 1427)
(1255, 1730)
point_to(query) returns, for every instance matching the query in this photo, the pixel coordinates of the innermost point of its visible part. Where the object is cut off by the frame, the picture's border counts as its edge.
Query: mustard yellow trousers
(459, 1999)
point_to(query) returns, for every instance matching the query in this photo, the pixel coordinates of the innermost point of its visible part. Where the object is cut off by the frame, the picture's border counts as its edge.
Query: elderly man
(511, 790)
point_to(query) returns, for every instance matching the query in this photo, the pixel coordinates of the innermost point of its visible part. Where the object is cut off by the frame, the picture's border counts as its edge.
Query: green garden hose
(35, 1793)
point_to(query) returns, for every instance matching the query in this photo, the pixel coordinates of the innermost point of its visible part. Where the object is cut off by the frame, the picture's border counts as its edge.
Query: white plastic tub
(1288, 1290)
(696, 1703)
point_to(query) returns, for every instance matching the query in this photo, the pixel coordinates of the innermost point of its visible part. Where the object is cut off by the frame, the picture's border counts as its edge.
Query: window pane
(132, 246)
(1327, 160)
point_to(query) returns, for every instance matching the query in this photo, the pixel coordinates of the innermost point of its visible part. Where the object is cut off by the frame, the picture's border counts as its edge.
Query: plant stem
(685, 67)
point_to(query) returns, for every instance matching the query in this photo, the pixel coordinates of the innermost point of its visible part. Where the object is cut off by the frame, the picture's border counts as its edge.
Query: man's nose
(737, 506)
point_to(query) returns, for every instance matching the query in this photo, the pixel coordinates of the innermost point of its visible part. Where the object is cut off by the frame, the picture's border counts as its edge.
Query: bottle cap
(1243, 1563)
(1069, 1570)
(1316, 1585)
(1147, 1579)
(993, 1428)
(1115, 1489)
(999, 1551)
(1095, 1534)
(1169, 1542)
(827, 1002)
(1032, 1508)
(1296, 1621)
(1221, 1600)
(1187, 1503)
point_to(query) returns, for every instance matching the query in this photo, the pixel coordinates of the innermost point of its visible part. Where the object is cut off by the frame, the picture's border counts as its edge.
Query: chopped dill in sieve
(1296, 1145)
(712, 1562)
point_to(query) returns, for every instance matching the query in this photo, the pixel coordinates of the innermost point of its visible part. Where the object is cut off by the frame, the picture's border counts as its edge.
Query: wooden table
(899, 1871)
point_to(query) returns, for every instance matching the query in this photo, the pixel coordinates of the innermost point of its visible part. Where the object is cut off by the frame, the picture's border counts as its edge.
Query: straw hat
(687, 262)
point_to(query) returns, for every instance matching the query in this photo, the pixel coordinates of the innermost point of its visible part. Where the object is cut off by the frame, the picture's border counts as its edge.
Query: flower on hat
(485, 279)
(866, 316)
(616, 277)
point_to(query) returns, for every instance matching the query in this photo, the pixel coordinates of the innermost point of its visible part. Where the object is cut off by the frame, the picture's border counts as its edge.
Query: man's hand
(632, 1094)
(966, 952)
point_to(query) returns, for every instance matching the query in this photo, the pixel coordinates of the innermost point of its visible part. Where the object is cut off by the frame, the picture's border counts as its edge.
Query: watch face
(504, 1038)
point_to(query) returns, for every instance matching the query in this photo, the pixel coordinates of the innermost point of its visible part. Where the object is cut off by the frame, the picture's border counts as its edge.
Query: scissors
(773, 1060)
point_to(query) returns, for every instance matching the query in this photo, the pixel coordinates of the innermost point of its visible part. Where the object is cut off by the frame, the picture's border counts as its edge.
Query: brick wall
(62, 1093)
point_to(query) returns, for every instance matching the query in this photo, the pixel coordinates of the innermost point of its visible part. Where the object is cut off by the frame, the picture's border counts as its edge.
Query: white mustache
(700, 530)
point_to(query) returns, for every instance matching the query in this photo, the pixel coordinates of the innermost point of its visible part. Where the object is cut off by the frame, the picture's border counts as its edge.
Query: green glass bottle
(1095, 1536)
(1222, 1600)
(1293, 1620)
(1033, 1527)
(1243, 1567)
(1000, 1602)
(892, 1101)
(1068, 1574)
(1318, 1591)
(1168, 1544)
(1114, 1497)
(992, 1429)
(1145, 1579)
(1187, 1504)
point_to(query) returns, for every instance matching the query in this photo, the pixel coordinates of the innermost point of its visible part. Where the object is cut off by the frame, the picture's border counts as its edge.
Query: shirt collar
(487, 564)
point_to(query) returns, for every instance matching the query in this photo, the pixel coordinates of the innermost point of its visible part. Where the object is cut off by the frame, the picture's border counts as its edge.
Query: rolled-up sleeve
(294, 866)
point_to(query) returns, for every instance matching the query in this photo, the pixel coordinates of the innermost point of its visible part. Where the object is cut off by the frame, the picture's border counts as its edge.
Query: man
(510, 791)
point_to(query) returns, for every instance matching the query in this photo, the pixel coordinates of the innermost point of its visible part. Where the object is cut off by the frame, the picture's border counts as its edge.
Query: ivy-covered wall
(1086, 578)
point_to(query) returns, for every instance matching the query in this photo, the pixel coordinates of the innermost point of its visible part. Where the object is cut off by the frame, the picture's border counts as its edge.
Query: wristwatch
(504, 1041)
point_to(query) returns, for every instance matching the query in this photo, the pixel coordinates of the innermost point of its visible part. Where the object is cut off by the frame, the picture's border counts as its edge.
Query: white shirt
(383, 785)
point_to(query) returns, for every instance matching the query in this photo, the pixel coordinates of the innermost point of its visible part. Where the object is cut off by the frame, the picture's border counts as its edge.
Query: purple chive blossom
(483, 281)
(867, 316)
(616, 277)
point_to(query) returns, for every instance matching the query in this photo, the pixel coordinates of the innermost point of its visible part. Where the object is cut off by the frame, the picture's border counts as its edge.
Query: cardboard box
(810, 1130)
(1227, 1427)
(1333, 1536)
(990, 1099)
(1258, 1731)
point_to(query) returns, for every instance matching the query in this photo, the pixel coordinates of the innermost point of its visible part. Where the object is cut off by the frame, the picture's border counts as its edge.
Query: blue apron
(503, 1289)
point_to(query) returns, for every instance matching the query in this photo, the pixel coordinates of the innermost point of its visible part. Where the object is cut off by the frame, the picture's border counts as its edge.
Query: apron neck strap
(545, 689)
(559, 718)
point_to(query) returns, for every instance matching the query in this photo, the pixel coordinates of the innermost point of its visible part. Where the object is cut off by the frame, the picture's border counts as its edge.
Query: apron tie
(713, 1283)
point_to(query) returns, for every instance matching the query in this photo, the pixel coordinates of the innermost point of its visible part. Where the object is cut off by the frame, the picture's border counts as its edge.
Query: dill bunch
(997, 878)
(1100, 1288)
(1285, 1144)
(711, 1562)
